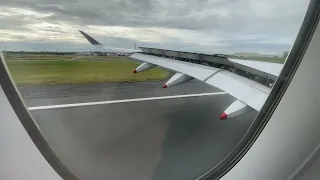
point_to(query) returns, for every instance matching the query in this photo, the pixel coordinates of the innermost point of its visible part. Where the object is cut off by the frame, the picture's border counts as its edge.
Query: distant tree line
(96, 53)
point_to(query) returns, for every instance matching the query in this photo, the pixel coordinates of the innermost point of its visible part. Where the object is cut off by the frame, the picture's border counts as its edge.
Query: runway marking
(122, 101)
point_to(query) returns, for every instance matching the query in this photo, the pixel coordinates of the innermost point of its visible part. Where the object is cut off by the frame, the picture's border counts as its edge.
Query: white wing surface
(248, 81)
(247, 91)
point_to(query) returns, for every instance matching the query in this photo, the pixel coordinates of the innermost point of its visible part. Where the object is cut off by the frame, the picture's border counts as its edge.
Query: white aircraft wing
(248, 91)
(248, 81)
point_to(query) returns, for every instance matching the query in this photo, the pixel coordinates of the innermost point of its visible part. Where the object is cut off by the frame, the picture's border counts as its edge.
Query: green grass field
(60, 57)
(86, 70)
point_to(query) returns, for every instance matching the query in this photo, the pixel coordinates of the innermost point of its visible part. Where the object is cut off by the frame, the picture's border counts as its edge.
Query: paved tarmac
(64, 94)
(176, 139)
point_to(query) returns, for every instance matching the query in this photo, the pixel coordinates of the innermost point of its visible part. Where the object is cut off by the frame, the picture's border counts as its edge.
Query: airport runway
(178, 139)
(64, 94)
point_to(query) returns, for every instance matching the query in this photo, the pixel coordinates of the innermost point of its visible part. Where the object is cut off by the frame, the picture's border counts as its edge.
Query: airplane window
(145, 89)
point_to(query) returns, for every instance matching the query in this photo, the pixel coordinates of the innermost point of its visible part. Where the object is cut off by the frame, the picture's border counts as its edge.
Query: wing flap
(266, 67)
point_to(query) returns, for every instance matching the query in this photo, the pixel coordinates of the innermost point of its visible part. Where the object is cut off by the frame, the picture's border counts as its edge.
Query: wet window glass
(146, 89)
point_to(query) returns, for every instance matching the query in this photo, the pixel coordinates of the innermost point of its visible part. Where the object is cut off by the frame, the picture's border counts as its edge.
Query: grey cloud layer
(228, 18)
(185, 14)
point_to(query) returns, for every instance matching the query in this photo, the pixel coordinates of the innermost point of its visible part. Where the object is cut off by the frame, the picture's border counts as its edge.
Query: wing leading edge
(249, 85)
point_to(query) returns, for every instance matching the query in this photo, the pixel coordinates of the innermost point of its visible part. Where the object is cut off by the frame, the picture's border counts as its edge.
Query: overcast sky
(265, 26)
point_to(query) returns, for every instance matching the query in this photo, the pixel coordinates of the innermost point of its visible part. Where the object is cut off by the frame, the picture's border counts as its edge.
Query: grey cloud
(11, 23)
(242, 18)
(167, 13)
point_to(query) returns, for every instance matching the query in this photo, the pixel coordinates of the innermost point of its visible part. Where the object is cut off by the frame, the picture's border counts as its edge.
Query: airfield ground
(51, 70)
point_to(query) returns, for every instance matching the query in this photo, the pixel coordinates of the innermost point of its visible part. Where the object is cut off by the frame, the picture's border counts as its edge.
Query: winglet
(90, 39)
